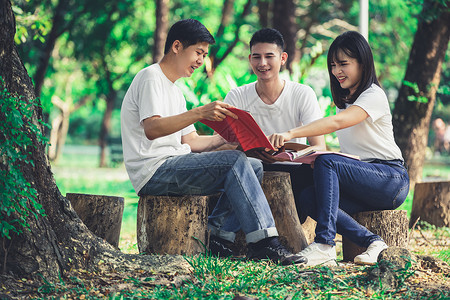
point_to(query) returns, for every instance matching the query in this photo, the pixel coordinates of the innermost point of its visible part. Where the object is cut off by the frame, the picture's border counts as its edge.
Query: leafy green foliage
(418, 95)
(34, 25)
(17, 198)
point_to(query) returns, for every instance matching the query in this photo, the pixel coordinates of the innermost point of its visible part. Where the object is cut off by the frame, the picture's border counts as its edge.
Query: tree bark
(59, 240)
(101, 214)
(414, 105)
(162, 26)
(390, 225)
(169, 224)
(58, 28)
(60, 125)
(284, 21)
(278, 190)
(264, 13)
(432, 203)
(106, 125)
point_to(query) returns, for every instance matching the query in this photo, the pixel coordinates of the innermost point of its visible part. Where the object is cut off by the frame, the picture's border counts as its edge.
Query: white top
(297, 105)
(374, 137)
(150, 94)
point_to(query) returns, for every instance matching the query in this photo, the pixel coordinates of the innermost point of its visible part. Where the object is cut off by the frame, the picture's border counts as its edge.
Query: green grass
(214, 278)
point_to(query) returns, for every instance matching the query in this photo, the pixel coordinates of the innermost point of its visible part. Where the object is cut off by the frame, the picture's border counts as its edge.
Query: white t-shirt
(297, 105)
(150, 94)
(374, 137)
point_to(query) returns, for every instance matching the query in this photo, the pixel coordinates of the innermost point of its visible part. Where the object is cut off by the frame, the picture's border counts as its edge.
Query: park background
(83, 55)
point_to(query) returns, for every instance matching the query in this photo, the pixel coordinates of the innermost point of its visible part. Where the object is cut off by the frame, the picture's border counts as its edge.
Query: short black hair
(188, 32)
(354, 45)
(267, 35)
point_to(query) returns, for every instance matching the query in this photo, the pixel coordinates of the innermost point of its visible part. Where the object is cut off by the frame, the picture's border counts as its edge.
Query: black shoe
(220, 247)
(271, 248)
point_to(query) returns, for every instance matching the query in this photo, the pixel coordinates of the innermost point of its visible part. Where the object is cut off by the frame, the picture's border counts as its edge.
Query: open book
(243, 130)
(305, 154)
(249, 135)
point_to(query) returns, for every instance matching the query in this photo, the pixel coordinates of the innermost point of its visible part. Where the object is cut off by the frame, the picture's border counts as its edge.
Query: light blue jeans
(242, 205)
(344, 186)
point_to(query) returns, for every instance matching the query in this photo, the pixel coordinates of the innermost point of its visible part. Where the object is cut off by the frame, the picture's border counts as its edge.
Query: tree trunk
(221, 43)
(58, 241)
(50, 41)
(284, 21)
(278, 190)
(162, 26)
(415, 102)
(106, 126)
(60, 127)
(432, 203)
(264, 13)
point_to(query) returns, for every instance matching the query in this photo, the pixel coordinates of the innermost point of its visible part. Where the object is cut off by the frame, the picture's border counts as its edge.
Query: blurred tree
(284, 20)
(112, 55)
(162, 26)
(306, 24)
(417, 95)
(226, 41)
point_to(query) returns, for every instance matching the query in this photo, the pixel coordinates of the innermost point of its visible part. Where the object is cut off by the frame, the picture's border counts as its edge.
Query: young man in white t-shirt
(277, 105)
(160, 141)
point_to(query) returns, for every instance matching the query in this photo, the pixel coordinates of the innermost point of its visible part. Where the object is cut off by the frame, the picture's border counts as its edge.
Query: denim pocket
(401, 196)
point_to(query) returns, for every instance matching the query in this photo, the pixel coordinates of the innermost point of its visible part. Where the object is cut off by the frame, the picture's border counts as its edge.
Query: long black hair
(354, 45)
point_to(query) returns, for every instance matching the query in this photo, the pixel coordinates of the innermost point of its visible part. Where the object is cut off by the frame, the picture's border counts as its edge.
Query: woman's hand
(278, 139)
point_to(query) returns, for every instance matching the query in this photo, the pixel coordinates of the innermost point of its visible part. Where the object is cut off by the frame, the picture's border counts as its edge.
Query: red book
(243, 130)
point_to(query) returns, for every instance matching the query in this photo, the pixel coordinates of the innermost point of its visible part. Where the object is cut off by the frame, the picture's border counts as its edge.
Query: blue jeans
(344, 186)
(242, 204)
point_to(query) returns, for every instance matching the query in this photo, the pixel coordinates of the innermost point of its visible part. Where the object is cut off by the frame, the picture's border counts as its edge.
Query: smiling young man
(159, 144)
(277, 105)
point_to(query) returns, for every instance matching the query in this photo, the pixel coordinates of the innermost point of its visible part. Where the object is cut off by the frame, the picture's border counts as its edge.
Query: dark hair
(354, 45)
(267, 35)
(188, 32)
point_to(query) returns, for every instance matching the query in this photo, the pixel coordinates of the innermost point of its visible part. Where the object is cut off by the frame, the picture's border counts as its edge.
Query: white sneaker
(370, 256)
(319, 254)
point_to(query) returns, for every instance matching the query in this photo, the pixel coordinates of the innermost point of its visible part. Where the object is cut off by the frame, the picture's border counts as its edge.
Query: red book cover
(243, 130)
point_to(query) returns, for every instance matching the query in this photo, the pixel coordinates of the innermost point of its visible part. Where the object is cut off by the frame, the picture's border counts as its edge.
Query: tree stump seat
(101, 214)
(172, 224)
(390, 225)
(178, 224)
(432, 203)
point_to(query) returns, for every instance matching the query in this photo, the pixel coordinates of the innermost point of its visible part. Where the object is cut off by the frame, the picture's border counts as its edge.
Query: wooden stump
(278, 190)
(101, 214)
(432, 203)
(309, 228)
(168, 225)
(390, 225)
